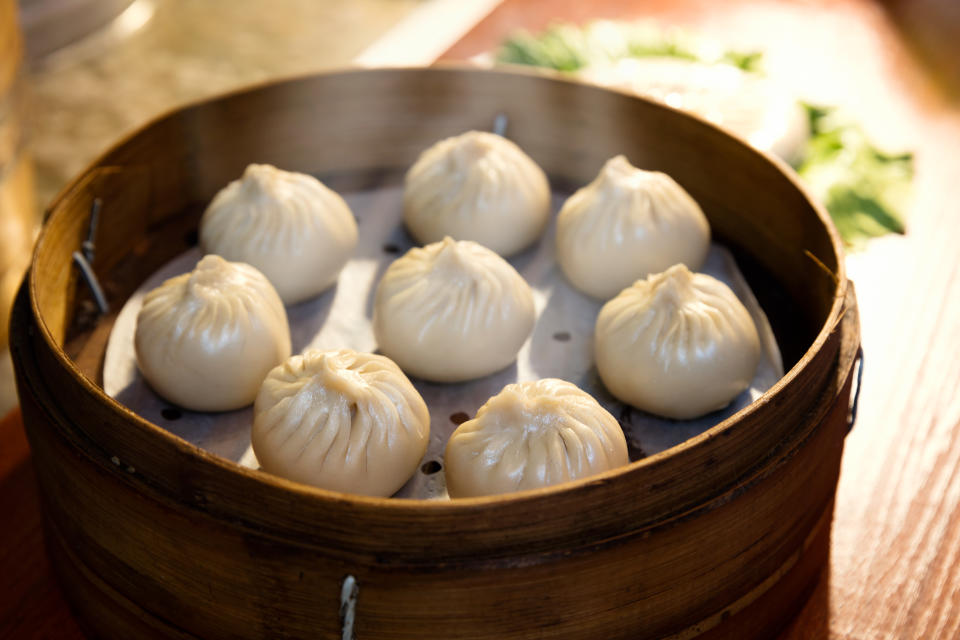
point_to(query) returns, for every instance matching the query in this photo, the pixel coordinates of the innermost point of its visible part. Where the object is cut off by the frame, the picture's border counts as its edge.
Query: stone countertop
(87, 96)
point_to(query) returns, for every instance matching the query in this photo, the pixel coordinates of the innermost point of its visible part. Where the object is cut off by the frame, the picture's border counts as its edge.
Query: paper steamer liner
(561, 346)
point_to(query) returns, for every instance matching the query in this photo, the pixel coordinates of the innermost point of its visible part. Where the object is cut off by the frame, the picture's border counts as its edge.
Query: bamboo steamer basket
(722, 536)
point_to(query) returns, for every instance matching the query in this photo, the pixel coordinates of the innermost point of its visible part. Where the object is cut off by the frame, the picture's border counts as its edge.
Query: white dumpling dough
(678, 344)
(477, 186)
(290, 226)
(340, 420)
(452, 311)
(530, 435)
(205, 340)
(625, 225)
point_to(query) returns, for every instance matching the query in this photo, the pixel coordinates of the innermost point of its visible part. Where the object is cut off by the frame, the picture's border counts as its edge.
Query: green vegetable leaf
(562, 48)
(749, 61)
(864, 189)
(566, 47)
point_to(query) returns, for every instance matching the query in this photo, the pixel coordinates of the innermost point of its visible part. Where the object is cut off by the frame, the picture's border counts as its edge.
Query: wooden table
(894, 569)
(895, 553)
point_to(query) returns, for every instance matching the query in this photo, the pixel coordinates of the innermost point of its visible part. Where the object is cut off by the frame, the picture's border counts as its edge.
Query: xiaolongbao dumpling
(625, 225)
(530, 435)
(477, 186)
(678, 344)
(452, 311)
(290, 226)
(340, 420)
(205, 339)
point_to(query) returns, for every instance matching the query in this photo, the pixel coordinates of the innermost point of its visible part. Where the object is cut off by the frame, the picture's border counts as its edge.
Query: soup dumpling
(477, 186)
(677, 344)
(625, 225)
(452, 311)
(289, 225)
(531, 435)
(205, 340)
(340, 420)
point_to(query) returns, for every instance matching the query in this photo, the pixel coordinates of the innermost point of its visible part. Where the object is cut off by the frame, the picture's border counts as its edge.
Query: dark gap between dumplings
(430, 467)
(634, 451)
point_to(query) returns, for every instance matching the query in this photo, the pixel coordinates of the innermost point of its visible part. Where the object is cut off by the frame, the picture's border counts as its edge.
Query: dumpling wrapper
(340, 420)
(477, 186)
(452, 311)
(532, 435)
(625, 225)
(677, 344)
(205, 340)
(289, 225)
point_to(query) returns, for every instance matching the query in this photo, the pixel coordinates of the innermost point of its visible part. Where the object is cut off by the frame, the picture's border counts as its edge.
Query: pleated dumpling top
(477, 186)
(340, 420)
(205, 340)
(532, 435)
(625, 225)
(452, 311)
(289, 225)
(677, 344)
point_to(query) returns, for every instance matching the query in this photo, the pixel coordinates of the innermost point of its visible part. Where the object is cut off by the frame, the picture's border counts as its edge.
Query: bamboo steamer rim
(460, 506)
